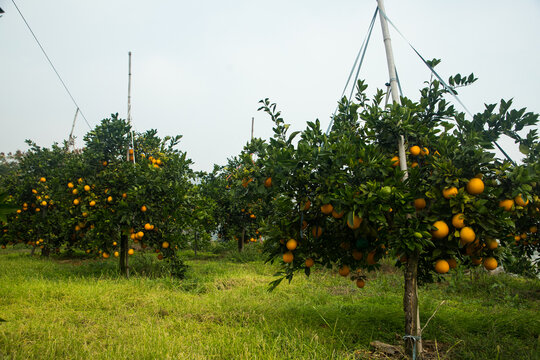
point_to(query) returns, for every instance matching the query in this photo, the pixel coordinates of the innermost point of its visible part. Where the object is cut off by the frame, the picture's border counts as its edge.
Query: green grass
(81, 309)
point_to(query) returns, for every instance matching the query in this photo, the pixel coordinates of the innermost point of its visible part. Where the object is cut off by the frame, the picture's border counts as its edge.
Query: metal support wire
(359, 56)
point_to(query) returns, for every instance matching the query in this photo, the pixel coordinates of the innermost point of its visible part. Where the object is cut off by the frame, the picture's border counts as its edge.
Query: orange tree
(341, 199)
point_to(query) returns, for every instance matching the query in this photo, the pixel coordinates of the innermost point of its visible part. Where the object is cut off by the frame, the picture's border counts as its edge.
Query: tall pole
(129, 110)
(410, 297)
(252, 126)
(71, 140)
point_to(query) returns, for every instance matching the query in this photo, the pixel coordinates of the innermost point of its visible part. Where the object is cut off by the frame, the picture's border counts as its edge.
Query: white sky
(200, 67)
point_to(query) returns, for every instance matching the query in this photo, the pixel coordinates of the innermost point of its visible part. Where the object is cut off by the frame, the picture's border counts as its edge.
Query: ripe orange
(116, 254)
(507, 204)
(92, 203)
(424, 151)
(520, 202)
(268, 182)
(316, 231)
(492, 244)
(147, 226)
(467, 235)
(450, 192)
(475, 186)
(85, 214)
(415, 150)
(360, 283)
(476, 260)
(114, 243)
(533, 229)
(327, 209)
(124, 195)
(86, 187)
(357, 255)
(43, 203)
(419, 204)
(371, 258)
(490, 263)
(105, 255)
(165, 245)
(288, 257)
(414, 164)
(309, 262)
(70, 185)
(140, 234)
(452, 263)
(143, 208)
(458, 221)
(344, 270)
(291, 244)
(42, 179)
(442, 266)
(442, 229)
(131, 252)
(523, 236)
(252, 216)
(395, 161)
(357, 221)
(75, 202)
(130, 151)
(75, 191)
(337, 215)
(110, 199)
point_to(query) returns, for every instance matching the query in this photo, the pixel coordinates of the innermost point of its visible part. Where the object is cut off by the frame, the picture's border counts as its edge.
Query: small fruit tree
(340, 199)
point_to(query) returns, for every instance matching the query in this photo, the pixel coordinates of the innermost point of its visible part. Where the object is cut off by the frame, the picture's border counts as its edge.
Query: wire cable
(50, 62)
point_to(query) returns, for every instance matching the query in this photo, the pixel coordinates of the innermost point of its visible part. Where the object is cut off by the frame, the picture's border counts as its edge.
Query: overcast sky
(200, 67)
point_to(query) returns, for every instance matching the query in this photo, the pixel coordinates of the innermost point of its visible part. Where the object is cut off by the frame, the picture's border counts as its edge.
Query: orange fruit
(467, 235)
(533, 229)
(143, 208)
(327, 209)
(307, 205)
(291, 244)
(492, 244)
(109, 199)
(415, 150)
(42, 179)
(70, 185)
(356, 222)
(147, 226)
(490, 263)
(43, 203)
(414, 164)
(131, 252)
(252, 216)
(268, 182)
(458, 221)
(475, 186)
(523, 236)
(360, 283)
(288, 257)
(520, 202)
(75, 202)
(92, 203)
(309, 262)
(75, 191)
(507, 204)
(450, 192)
(86, 188)
(140, 234)
(357, 255)
(452, 263)
(130, 151)
(395, 161)
(165, 245)
(424, 151)
(442, 229)
(105, 255)
(124, 195)
(116, 254)
(114, 243)
(476, 260)
(316, 231)
(442, 266)
(371, 258)
(419, 204)
(344, 270)
(337, 215)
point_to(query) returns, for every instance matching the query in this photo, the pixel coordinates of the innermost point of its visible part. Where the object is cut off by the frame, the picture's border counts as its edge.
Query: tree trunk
(410, 306)
(124, 256)
(46, 251)
(241, 241)
(33, 250)
(195, 243)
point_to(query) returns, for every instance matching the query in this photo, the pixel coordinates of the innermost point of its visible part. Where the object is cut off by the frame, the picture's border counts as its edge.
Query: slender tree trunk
(410, 306)
(195, 243)
(46, 251)
(124, 256)
(241, 241)
(33, 250)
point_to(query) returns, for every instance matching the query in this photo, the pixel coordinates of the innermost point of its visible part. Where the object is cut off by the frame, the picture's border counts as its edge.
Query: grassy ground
(81, 309)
